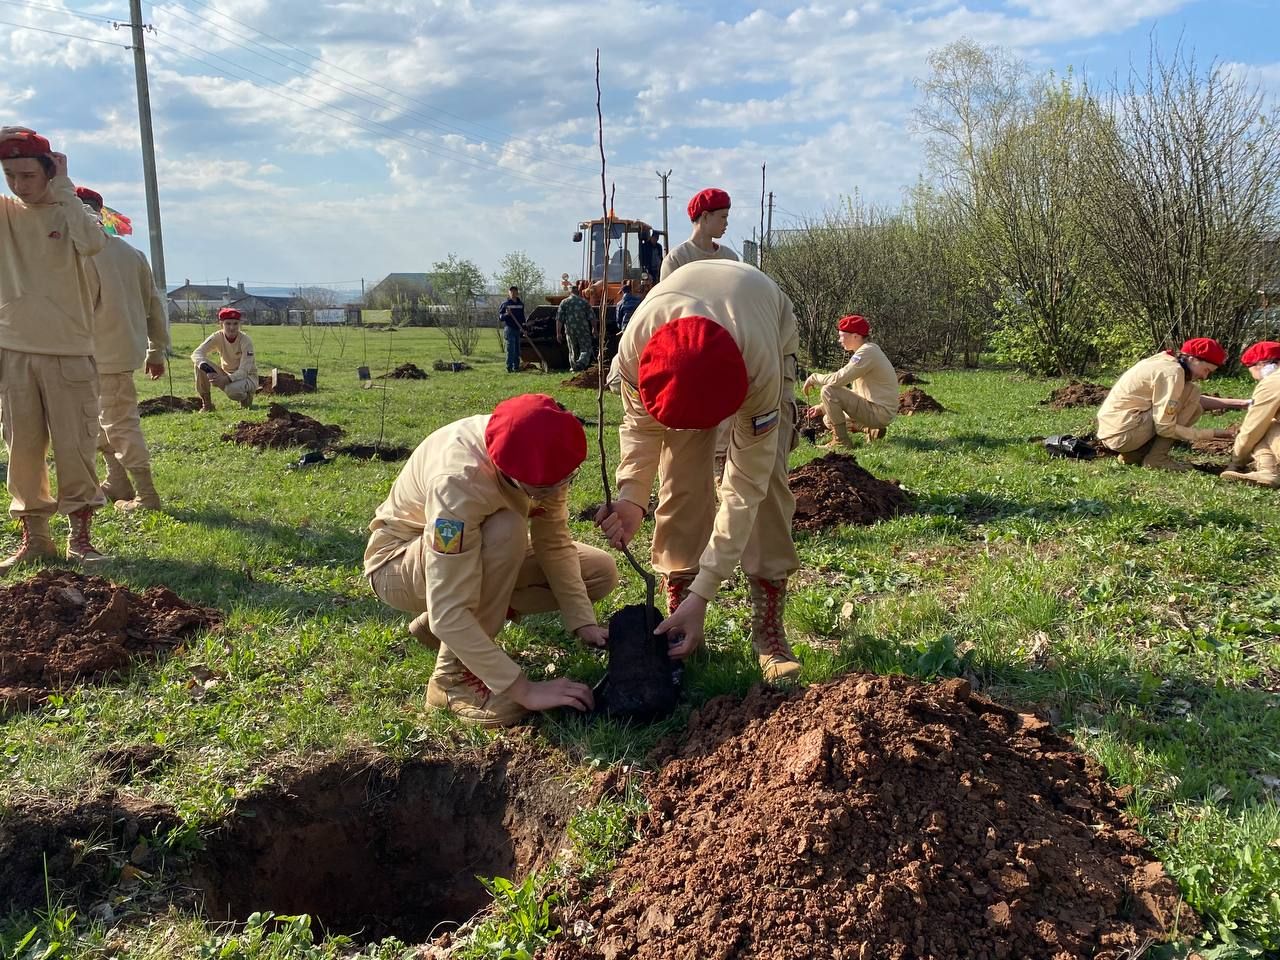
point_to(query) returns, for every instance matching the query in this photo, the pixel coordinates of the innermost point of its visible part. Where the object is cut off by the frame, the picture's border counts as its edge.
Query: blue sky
(321, 141)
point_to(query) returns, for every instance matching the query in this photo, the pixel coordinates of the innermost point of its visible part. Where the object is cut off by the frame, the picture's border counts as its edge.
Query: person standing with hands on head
(573, 328)
(48, 379)
(1258, 439)
(1157, 401)
(709, 211)
(130, 331)
(475, 531)
(236, 374)
(870, 401)
(716, 340)
(511, 315)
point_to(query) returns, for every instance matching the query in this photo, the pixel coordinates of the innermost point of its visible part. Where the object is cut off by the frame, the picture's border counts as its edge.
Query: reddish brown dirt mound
(286, 385)
(1215, 448)
(832, 490)
(812, 426)
(906, 378)
(916, 400)
(168, 404)
(588, 379)
(284, 429)
(60, 628)
(1076, 394)
(902, 820)
(406, 371)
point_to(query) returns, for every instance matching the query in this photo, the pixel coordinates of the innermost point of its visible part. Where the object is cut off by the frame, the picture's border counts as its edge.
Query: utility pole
(666, 235)
(148, 146)
(768, 233)
(760, 251)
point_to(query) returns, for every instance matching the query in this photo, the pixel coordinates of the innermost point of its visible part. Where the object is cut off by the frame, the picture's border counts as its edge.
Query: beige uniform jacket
(447, 489)
(869, 374)
(1154, 386)
(47, 293)
(689, 252)
(1264, 414)
(129, 325)
(760, 318)
(236, 359)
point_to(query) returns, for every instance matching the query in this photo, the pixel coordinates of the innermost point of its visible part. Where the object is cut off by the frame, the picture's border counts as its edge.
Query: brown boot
(873, 434)
(677, 587)
(420, 630)
(37, 542)
(1265, 471)
(1134, 458)
(80, 547)
(768, 635)
(1159, 459)
(147, 498)
(117, 485)
(455, 688)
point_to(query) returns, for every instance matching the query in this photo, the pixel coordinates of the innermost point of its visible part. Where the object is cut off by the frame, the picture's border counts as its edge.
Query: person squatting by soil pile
(588, 379)
(59, 628)
(286, 385)
(904, 820)
(834, 489)
(168, 404)
(406, 371)
(1076, 394)
(283, 428)
(916, 400)
(907, 379)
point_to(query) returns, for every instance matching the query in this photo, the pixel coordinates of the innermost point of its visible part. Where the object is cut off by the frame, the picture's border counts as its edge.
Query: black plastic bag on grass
(643, 682)
(1070, 447)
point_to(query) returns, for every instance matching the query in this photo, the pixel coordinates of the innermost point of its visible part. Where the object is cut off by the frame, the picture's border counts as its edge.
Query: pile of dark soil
(834, 490)
(60, 628)
(286, 385)
(450, 366)
(906, 378)
(387, 453)
(1076, 394)
(588, 379)
(1215, 448)
(284, 429)
(812, 426)
(168, 404)
(406, 371)
(916, 400)
(878, 817)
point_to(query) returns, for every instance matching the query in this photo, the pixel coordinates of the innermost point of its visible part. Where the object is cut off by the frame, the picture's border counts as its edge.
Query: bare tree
(1186, 196)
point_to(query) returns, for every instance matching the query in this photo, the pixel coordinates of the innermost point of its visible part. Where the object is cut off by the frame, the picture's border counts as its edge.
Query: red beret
(535, 440)
(28, 145)
(91, 197)
(228, 313)
(704, 201)
(1206, 349)
(1266, 351)
(855, 324)
(692, 374)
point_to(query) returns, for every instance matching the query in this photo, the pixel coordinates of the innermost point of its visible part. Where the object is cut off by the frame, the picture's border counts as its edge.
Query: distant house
(200, 303)
(400, 288)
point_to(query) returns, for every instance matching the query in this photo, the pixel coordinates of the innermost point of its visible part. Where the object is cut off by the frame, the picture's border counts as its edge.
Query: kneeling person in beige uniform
(237, 372)
(475, 531)
(1258, 439)
(130, 329)
(1157, 401)
(870, 401)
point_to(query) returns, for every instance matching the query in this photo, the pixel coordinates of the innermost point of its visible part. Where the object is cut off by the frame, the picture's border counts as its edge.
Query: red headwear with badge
(705, 201)
(1266, 351)
(228, 313)
(534, 440)
(692, 374)
(855, 324)
(1206, 349)
(92, 197)
(24, 145)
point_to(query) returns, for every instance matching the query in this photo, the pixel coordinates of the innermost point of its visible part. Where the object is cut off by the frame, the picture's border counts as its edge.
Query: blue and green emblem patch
(448, 536)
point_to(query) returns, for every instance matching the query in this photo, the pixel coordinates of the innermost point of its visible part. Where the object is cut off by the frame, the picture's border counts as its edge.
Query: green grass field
(1140, 611)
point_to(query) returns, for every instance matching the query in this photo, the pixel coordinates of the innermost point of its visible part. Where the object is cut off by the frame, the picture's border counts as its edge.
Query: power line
(65, 10)
(59, 33)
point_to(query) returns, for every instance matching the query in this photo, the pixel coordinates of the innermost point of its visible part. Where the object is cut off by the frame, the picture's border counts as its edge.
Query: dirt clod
(60, 628)
(834, 490)
(916, 400)
(877, 817)
(406, 371)
(168, 404)
(588, 379)
(906, 378)
(1076, 394)
(450, 366)
(283, 428)
(286, 385)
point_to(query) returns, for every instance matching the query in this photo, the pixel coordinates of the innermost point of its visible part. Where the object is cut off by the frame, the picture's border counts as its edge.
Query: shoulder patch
(1171, 408)
(856, 358)
(448, 536)
(764, 422)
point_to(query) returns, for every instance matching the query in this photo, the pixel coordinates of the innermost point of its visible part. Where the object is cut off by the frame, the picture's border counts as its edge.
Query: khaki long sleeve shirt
(869, 374)
(1260, 418)
(130, 327)
(1155, 384)
(47, 292)
(690, 252)
(445, 492)
(236, 358)
(760, 318)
